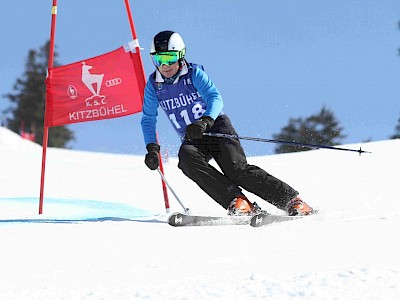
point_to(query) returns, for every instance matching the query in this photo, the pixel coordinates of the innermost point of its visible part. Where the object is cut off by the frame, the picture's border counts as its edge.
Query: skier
(193, 104)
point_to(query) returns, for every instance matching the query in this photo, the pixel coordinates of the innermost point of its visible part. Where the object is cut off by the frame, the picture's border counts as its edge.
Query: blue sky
(271, 60)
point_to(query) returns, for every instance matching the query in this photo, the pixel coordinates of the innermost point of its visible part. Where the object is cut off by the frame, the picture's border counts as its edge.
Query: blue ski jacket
(191, 96)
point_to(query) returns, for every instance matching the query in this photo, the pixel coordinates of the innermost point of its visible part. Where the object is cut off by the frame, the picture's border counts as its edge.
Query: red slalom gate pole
(163, 183)
(164, 187)
(45, 127)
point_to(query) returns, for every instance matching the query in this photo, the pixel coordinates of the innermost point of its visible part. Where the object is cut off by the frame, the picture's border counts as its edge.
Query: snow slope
(103, 233)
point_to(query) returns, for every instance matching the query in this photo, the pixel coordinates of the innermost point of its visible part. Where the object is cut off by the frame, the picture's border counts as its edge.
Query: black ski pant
(194, 157)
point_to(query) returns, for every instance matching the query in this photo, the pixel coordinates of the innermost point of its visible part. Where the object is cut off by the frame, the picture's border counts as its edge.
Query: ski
(263, 219)
(178, 219)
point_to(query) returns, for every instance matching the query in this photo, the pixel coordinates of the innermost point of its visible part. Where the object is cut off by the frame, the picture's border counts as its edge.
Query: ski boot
(241, 206)
(297, 207)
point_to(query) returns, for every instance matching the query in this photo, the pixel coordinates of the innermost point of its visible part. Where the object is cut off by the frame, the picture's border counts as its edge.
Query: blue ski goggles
(165, 58)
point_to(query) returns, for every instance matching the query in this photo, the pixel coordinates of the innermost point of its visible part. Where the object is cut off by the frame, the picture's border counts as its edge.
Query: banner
(104, 87)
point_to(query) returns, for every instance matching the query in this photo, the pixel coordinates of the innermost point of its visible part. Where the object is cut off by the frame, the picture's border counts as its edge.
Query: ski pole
(170, 188)
(233, 136)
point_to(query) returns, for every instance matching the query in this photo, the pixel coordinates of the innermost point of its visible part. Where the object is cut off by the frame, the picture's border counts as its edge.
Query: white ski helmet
(165, 41)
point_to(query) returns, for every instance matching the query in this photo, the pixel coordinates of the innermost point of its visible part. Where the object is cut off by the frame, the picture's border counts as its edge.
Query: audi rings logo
(113, 82)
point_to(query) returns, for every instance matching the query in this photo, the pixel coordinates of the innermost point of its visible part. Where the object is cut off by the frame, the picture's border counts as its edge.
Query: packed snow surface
(103, 233)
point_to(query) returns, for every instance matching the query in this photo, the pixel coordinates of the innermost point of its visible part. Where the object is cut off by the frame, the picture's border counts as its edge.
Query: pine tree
(319, 129)
(29, 100)
(397, 131)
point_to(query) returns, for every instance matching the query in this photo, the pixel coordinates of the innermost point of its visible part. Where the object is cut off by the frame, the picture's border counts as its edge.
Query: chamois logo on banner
(93, 82)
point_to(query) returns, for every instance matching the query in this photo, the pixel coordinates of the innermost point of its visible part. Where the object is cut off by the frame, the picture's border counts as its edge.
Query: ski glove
(196, 130)
(152, 161)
